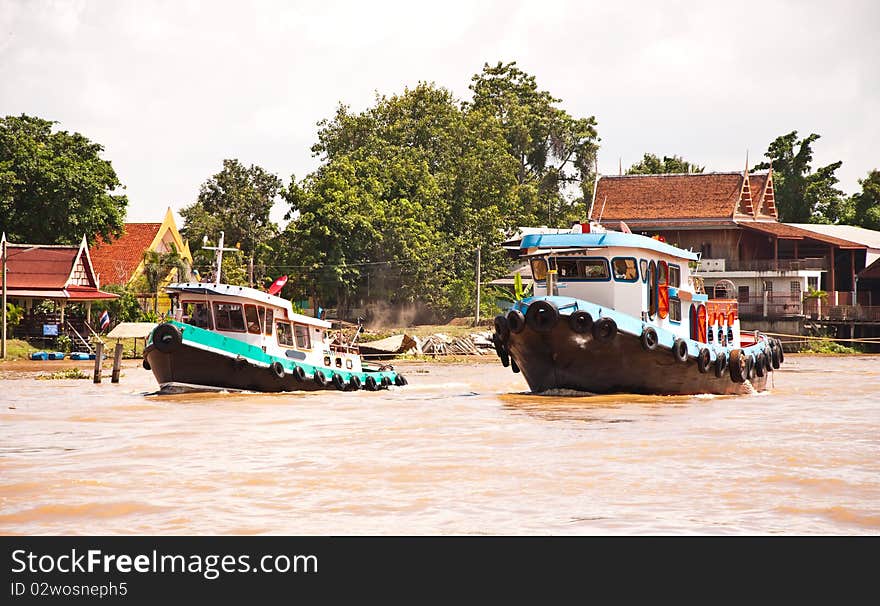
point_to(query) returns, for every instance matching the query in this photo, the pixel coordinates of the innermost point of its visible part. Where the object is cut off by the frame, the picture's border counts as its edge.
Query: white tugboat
(620, 312)
(226, 337)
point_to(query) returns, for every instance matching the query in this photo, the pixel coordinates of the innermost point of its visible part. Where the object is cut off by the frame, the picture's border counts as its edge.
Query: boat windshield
(197, 314)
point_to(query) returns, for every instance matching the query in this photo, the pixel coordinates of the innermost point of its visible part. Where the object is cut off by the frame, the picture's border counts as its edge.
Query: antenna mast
(218, 255)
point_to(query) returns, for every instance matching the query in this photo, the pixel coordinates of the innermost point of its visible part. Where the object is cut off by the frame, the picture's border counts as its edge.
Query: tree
(158, 266)
(652, 165)
(54, 186)
(555, 152)
(803, 196)
(866, 204)
(236, 201)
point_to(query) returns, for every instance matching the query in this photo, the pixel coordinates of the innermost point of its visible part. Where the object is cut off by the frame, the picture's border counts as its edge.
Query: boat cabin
(258, 318)
(643, 277)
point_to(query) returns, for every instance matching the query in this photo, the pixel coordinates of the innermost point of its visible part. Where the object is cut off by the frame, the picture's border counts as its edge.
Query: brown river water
(463, 449)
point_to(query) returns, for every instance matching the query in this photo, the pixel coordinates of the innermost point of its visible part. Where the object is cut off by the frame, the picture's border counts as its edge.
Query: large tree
(54, 186)
(236, 201)
(866, 204)
(652, 165)
(803, 195)
(554, 151)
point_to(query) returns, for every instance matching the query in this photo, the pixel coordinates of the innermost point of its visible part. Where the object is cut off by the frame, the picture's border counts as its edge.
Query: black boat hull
(188, 368)
(564, 359)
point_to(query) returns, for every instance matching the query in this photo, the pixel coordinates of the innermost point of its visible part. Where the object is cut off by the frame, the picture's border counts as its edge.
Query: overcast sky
(170, 89)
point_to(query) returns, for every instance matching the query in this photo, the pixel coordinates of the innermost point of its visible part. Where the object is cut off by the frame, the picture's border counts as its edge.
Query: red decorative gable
(117, 261)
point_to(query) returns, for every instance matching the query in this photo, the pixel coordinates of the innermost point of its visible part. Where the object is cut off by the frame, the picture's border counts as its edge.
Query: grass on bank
(827, 346)
(16, 349)
(66, 373)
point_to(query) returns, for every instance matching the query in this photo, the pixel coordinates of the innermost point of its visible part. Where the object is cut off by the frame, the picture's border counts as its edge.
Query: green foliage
(866, 204)
(158, 266)
(652, 165)
(409, 188)
(54, 186)
(803, 196)
(827, 346)
(812, 293)
(14, 314)
(66, 373)
(236, 201)
(124, 309)
(63, 343)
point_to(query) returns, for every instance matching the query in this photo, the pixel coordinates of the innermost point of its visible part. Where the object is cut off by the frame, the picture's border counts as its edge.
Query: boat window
(348, 364)
(625, 269)
(643, 265)
(284, 334)
(197, 314)
(302, 336)
(594, 269)
(228, 316)
(662, 273)
(652, 289)
(567, 268)
(266, 317)
(674, 276)
(539, 269)
(674, 309)
(252, 319)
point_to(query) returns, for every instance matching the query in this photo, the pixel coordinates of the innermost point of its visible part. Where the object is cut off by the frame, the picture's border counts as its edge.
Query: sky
(170, 89)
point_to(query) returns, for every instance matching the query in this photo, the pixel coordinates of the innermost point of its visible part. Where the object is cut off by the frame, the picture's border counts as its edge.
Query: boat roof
(607, 239)
(244, 292)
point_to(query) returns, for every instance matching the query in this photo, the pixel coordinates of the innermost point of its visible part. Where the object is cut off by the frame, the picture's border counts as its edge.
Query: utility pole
(477, 310)
(218, 255)
(251, 271)
(3, 263)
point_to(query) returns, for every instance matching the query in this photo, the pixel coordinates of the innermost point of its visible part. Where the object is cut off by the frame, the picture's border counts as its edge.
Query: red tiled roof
(117, 261)
(784, 231)
(674, 196)
(88, 293)
(39, 267)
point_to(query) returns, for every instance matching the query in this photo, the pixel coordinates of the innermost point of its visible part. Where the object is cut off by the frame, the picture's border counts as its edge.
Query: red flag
(277, 285)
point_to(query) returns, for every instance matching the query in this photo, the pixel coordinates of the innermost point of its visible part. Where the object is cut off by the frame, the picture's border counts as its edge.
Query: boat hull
(564, 359)
(189, 368)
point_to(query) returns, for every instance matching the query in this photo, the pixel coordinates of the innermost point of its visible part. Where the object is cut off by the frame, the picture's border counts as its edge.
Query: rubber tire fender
(370, 383)
(513, 366)
(604, 329)
(277, 369)
(516, 322)
(355, 383)
(338, 382)
(146, 364)
(781, 351)
(501, 328)
(738, 366)
(167, 338)
(580, 322)
(320, 378)
(649, 339)
(400, 380)
(704, 360)
(298, 374)
(542, 316)
(720, 364)
(680, 350)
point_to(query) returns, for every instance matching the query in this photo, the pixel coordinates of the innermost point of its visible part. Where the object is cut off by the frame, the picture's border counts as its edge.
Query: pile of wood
(476, 344)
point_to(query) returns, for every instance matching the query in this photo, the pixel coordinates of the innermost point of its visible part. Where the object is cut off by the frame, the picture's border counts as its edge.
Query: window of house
(813, 282)
(197, 314)
(302, 336)
(625, 269)
(706, 250)
(767, 287)
(284, 334)
(795, 288)
(742, 294)
(674, 309)
(539, 269)
(252, 319)
(594, 269)
(675, 276)
(228, 316)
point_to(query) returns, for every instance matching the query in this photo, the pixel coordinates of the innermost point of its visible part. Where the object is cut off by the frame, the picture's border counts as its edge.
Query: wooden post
(117, 362)
(3, 303)
(832, 286)
(99, 353)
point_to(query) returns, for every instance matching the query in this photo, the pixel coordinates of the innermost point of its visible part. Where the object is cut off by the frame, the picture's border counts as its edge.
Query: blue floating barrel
(56, 355)
(80, 355)
(39, 355)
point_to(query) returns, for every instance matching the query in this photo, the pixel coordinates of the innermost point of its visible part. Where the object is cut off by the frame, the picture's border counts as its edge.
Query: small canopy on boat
(131, 330)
